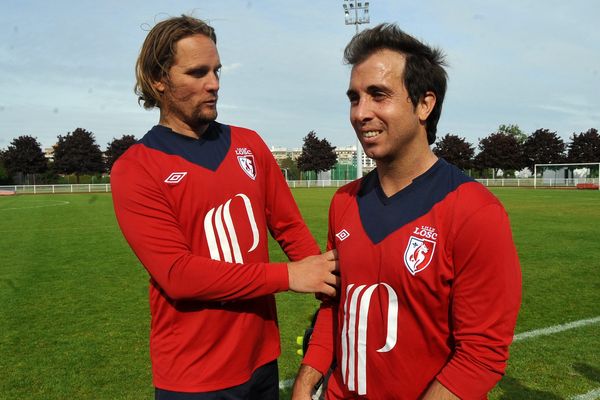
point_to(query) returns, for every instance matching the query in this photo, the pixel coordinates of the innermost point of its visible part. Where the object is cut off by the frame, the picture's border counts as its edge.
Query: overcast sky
(69, 64)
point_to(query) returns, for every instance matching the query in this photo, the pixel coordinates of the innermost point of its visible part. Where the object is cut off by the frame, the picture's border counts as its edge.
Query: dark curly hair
(424, 69)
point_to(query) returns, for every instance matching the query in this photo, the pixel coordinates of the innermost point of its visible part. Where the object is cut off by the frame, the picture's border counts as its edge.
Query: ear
(159, 86)
(426, 105)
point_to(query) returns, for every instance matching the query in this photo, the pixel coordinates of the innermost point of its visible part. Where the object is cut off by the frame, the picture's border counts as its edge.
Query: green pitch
(74, 319)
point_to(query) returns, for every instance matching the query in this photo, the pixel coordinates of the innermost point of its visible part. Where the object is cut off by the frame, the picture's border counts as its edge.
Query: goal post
(568, 175)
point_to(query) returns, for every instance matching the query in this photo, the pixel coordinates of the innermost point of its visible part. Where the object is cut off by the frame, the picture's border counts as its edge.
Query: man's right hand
(315, 274)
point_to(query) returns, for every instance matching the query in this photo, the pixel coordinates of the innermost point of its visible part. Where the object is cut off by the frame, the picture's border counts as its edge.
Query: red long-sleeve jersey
(431, 287)
(196, 213)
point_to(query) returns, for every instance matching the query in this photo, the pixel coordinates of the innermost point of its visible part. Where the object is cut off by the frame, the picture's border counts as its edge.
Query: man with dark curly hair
(431, 282)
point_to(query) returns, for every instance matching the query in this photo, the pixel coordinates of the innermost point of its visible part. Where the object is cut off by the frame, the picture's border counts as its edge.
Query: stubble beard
(204, 117)
(200, 118)
(195, 117)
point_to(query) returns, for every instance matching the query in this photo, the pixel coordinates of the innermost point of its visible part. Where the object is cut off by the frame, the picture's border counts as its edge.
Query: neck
(181, 127)
(398, 174)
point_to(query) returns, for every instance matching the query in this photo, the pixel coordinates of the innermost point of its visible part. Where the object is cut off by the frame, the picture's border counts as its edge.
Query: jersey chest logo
(355, 330)
(420, 248)
(175, 178)
(220, 232)
(342, 235)
(246, 160)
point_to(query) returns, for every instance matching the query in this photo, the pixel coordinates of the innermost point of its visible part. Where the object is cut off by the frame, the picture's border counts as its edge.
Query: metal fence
(51, 189)
(509, 182)
(318, 183)
(587, 183)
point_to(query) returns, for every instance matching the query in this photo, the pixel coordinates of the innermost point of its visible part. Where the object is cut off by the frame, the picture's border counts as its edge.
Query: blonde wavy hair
(158, 53)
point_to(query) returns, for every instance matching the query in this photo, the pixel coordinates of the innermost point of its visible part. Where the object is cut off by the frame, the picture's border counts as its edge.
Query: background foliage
(508, 148)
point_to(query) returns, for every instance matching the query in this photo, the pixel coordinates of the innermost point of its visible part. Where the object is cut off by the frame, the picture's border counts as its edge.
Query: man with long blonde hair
(195, 199)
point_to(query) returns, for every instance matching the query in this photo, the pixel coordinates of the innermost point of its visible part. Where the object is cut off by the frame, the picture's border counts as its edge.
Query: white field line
(53, 204)
(592, 395)
(555, 329)
(286, 384)
(527, 335)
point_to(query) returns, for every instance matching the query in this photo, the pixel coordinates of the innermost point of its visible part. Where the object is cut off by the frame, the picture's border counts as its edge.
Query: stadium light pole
(356, 13)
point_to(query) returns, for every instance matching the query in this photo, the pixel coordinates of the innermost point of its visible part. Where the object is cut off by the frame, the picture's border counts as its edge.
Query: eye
(353, 97)
(378, 95)
(198, 72)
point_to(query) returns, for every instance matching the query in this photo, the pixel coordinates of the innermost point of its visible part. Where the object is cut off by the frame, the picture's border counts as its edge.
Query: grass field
(74, 316)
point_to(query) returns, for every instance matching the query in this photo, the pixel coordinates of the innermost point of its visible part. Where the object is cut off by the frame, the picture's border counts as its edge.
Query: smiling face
(190, 90)
(385, 120)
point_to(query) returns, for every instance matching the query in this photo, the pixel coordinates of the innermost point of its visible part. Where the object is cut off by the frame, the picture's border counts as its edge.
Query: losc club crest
(418, 254)
(246, 160)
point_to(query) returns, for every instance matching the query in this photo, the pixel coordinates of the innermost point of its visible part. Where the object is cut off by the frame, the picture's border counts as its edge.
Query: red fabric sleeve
(152, 231)
(321, 349)
(486, 300)
(283, 216)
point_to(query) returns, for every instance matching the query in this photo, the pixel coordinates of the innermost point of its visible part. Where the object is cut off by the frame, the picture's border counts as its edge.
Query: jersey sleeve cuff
(318, 358)
(277, 277)
(468, 381)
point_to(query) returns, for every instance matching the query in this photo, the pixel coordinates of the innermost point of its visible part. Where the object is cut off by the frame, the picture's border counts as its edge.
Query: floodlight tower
(357, 13)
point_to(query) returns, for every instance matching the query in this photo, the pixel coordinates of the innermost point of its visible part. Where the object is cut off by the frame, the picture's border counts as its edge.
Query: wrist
(306, 380)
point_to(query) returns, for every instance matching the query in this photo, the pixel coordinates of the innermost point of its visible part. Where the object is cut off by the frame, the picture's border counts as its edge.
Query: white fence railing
(499, 182)
(564, 182)
(105, 187)
(319, 183)
(51, 189)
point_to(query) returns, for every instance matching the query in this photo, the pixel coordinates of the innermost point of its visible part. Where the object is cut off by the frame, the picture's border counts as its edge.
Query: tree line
(508, 149)
(75, 153)
(511, 150)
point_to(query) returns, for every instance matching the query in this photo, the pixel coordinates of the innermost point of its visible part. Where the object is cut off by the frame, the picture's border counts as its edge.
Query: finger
(338, 281)
(333, 293)
(336, 266)
(333, 266)
(335, 253)
(331, 255)
(333, 280)
(328, 290)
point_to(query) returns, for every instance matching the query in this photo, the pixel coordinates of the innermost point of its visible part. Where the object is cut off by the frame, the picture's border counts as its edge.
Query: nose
(361, 112)
(213, 85)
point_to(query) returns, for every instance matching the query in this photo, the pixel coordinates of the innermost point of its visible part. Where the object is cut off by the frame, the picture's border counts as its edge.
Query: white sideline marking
(594, 394)
(286, 384)
(555, 329)
(55, 203)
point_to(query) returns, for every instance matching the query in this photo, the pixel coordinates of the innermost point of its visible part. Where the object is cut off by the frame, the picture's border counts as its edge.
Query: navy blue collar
(381, 215)
(208, 151)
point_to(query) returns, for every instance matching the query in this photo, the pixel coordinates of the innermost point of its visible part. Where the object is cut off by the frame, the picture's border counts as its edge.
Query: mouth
(370, 134)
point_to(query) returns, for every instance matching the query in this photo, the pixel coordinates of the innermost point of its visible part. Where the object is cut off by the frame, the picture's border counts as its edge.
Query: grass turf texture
(75, 317)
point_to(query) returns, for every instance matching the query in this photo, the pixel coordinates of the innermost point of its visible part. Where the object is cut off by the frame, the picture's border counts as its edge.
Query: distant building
(49, 153)
(368, 164)
(281, 153)
(346, 155)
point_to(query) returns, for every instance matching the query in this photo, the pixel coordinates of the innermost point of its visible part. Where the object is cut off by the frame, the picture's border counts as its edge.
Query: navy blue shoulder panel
(208, 151)
(381, 215)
